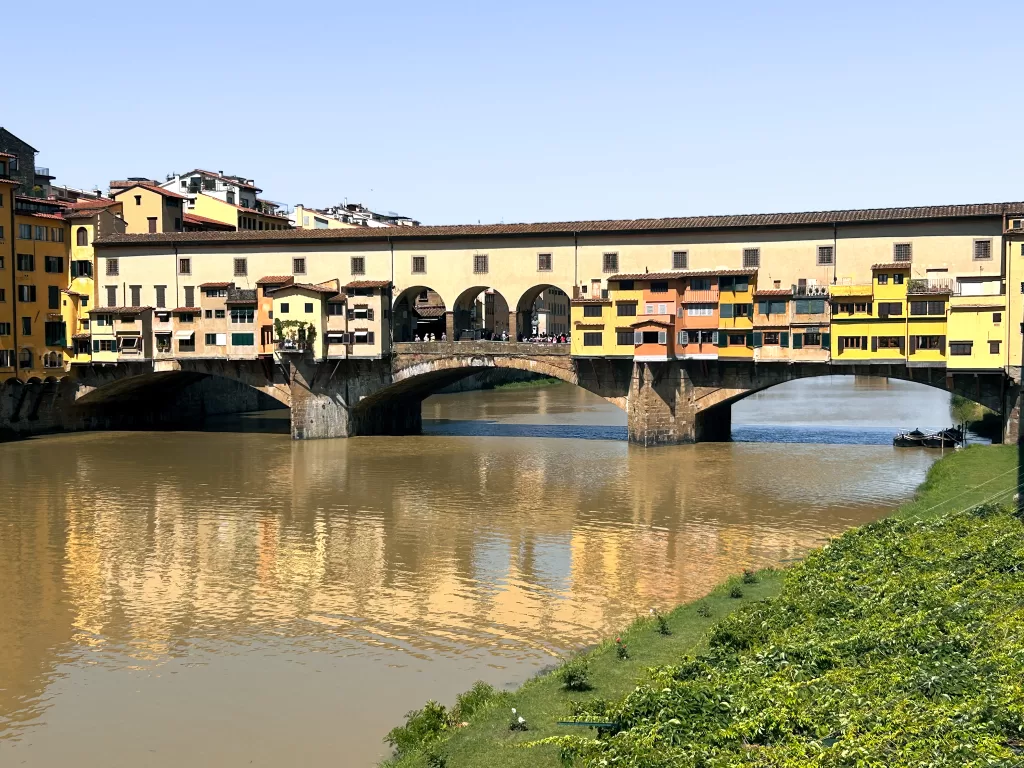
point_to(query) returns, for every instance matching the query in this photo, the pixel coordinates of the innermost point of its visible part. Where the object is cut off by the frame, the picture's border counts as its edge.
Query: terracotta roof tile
(892, 265)
(216, 285)
(191, 218)
(429, 310)
(369, 284)
(683, 273)
(306, 287)
(590, 301)
(79, 336)
(773, 292)
(9, 181)
(151, 188)
(190, 310)
(568, 228)
(118, 310)
(275, 280)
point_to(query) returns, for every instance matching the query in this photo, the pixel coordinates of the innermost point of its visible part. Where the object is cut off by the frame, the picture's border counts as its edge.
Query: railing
(41, 171)
(930, 285)
(816, 291)
(709, 296)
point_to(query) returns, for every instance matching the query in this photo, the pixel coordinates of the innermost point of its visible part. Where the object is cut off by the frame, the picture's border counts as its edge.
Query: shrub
(749, 576)
(704, 611)
(469, 703)
(575, 674)
(621, 652)
(422, 727)
(736, 592)
(662, 623)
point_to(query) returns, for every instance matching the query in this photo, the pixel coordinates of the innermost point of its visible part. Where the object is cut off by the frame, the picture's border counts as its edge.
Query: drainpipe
(835, 251)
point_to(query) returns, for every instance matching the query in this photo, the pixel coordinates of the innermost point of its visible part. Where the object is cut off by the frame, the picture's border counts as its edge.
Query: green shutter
(758, 339)
(725, 310)
(750, 338)
(764, 307)
(826, 341)
(798, 341)
(784, 339)
(723, 339)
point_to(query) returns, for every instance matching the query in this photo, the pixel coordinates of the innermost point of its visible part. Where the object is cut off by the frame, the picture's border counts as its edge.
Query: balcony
(810, 291)
(850, 290)
(931, 286)
(709, 296)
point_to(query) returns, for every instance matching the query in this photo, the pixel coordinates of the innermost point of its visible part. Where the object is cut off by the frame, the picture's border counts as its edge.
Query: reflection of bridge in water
(665, 402)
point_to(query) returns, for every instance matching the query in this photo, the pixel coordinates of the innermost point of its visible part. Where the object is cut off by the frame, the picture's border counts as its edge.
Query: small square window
(751, 258)
(610, 262)
(480, 263)
(902, 252)
(184, 266)
(358, 265)
(543, 262)
(298, 266)
(113, 269)
(982, 250)
(680, 260)
(419, 265)
(309, 308)
(241, 267)
(826, 255)
(997, 317)
(993, 347)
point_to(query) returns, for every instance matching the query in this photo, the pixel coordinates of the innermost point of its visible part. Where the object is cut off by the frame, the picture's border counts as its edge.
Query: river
(230, 597)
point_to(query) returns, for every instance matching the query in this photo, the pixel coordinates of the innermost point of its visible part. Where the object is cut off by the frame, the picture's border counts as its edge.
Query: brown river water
(231, 597)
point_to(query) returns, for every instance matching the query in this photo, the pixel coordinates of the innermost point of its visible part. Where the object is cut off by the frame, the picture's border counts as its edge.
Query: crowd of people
(536, 338)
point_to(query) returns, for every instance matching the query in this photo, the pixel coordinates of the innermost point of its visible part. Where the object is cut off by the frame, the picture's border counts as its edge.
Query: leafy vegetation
(900, 644)
(575, 674)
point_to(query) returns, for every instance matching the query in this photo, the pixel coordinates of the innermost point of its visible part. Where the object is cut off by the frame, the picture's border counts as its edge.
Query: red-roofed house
(149, 209)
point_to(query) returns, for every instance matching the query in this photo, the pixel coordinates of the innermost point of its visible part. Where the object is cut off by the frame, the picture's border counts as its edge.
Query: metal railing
(927, 285)
(816, 291)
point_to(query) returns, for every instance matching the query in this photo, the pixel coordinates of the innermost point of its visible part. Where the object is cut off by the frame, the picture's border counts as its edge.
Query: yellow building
(150, 209)
(41, 276)
(8, 348)
(309, 218)
(87, 220)
(241, 218)
(736, 313)
(299, 307)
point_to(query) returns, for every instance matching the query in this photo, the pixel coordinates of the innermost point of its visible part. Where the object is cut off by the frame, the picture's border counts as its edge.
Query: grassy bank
(899, 644)
(541, 381)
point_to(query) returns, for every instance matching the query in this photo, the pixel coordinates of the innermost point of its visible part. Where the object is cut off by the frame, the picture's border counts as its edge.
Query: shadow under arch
(542, 309)
(168, 388)
(480, 312)
(418, 310)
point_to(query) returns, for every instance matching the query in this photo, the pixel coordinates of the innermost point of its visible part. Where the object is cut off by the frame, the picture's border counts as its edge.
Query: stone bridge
(667, 402)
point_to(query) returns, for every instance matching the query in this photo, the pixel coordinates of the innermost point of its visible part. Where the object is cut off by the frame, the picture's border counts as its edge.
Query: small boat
(946, 438)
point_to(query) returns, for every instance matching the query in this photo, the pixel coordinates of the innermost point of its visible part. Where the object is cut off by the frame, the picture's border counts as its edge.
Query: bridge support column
(513, 325)
(1011, 413)
(449, 325)
(657, 408)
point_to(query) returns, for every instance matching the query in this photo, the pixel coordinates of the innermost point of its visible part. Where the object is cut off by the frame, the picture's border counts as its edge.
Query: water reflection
(219, 598)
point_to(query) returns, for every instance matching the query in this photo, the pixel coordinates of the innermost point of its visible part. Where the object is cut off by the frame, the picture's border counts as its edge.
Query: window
(81, 268)
(25, 359)
(243, 339)
(298, 266)
(901, 252)
(851, 342)
(55, 333)
(889, 342)
(773, 307)
(627, 285)
(997, 317)
(241, 267)
(927, 308)
(592, 339)
(111, 295)
(809, 306)
(6, 358)
(209, 314)
(982, 250)
(81, 236)
(480, 263)
(751, 258)
(161, 296)
(284, 308)
(659, 286)
(592, 310)
(53, 297)
(308, 308)
(136, 295)
(113, 268)
(24, 231)
(610, 262)
(863, 307)
(186, 317)
(737, 339)
(26, 293)
(742, 310)
(700, 310)
(41, 233)
(335, 309)
(26, 326)
(1, 233)
(700, 284)
(5, 329)
(771, 338)
(85, 303)
(358, 265)
(959, 348)
(993, 347)
(190, 295)
(883, 279)
(56, 235)
(243, 315)
(103, 345)
(26, 262)
(625, 309)
(187, 345)
(419, 265)
(177, 223)
(624, 338)
(3, 295)
(211, 339)
(897, 278)
(826, 255)
(543, 262)
(890, 309)
(812, 338)
(184, 266)
(926, 342)
(680, 259)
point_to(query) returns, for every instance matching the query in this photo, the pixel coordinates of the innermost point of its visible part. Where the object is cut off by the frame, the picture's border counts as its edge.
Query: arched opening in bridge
(419, 312)
(542, 310)
(480, 312)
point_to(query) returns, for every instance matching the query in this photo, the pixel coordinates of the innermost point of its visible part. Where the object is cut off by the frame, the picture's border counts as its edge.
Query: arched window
(25, 359)
(82, 236)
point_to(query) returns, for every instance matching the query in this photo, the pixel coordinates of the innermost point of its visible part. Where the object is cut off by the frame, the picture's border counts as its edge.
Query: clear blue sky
(532, 111)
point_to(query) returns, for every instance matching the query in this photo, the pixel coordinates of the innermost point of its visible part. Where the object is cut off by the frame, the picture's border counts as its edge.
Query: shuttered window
(592, 339)
(610, 262)
(543, 262)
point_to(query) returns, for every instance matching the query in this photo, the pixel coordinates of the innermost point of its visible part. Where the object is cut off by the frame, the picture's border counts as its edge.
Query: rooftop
(569, 228)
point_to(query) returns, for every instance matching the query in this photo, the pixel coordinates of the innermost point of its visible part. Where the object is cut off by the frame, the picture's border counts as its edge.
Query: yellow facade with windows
(147, 209)
(976, 330)
(94, 219)
(307, 218)
(41, 275)
(593, 323)
(298, 307)
(237, 216)
(736, 316)
(8, 351)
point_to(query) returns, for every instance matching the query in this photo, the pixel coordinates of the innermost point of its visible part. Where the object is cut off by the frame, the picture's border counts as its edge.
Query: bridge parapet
(479, 347)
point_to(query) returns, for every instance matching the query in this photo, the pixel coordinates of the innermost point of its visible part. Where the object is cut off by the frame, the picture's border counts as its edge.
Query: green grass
(543, 381)
(961, 480)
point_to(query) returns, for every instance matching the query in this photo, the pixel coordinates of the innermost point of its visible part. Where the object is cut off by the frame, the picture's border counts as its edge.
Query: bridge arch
(542, 309)
(418, 310)
(481, 310)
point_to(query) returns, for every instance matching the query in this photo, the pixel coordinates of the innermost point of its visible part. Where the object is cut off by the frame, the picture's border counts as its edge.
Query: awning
(184, 334)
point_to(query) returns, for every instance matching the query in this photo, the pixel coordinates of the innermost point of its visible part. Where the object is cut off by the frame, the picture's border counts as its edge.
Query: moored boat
(946, 438)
